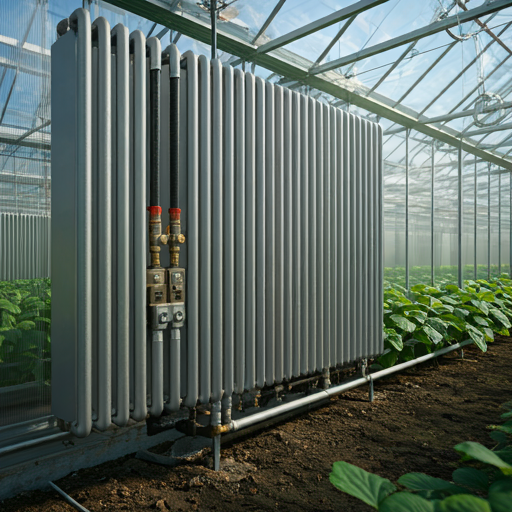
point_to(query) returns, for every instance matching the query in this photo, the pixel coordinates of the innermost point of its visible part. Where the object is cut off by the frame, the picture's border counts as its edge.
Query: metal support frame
(315, 26)
(286, 63)
(407, 209)
(499, 224)
(269, 20)
(432, 211)
(475, 229)
(488, 222)
(460, 279)
(213, 20)
(433, 28)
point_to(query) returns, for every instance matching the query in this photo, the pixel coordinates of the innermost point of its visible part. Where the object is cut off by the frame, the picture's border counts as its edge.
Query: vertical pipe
(239, 231)
(369, 295)
(138, 41)
(475, 229)
(250, 233)
(205, 227)
(270, 230)
(217, 231)
(296, 259)
(120, 39)
(338, 197)
(353, 240)
(81, 23)
(510, 227)
(407, 208)
(303, 235)
(279, 233)
(318, 228)
(375, 268)
(380, 245)
(229, 230)
(213, 21)
(347, 246)
(101, 30)
(358, 212)
(311, 227)
(499, 223)
(459, 213)
(432, 209)
(331, 190)
(488, 221)
(192, 345)
(261, 223)
(325, 225)
(287, 233)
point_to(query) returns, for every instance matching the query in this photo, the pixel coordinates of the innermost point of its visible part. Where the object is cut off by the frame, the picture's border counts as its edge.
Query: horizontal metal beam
(433, 28)
(315, 26)
(488, 129)
(268, 21)
(286, 63)
(466, 113)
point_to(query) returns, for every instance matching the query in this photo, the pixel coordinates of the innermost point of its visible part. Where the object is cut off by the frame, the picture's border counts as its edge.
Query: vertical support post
(510, 227)
(407, 209)
(499, 223)
(475, 222)
(488, 222)
(459, 214)
(371, 390)
(432, 184)
(213, 20)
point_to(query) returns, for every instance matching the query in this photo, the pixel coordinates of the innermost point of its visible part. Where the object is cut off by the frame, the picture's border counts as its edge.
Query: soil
(412, 425)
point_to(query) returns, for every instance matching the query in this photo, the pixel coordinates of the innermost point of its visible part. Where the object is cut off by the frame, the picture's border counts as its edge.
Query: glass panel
(445, 216)
(482, 236)
(505, 222)
(420, 194)
(394, 209)
(468, 220)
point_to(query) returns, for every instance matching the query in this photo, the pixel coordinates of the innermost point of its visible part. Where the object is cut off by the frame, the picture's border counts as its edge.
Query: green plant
(486, 486)
(427, 317)
(25, 319)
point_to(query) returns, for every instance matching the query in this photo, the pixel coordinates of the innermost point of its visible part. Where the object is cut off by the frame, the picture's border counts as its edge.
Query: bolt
(156, 278)
(178, 316)
(163, 318)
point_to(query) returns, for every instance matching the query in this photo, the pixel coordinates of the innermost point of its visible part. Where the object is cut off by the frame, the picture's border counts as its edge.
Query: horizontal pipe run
(68, 498)
(336, 390)
(32, 443)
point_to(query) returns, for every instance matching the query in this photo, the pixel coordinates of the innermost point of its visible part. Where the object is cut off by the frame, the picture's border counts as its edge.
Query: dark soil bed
(416, 419)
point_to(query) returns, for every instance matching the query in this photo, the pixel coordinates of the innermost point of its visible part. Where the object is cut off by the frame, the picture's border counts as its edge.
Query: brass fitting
(175, 236)
(155, 232)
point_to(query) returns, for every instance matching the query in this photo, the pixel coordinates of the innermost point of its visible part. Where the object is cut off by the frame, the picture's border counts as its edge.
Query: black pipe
(174, 139)
(154, 137)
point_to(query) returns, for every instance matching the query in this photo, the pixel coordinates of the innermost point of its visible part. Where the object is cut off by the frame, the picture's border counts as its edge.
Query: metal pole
(499, 224)
(475, 227)
(510, 227)
(213, 19)
(488, 222)
(407, 209)
(432, 217)
(459, 234)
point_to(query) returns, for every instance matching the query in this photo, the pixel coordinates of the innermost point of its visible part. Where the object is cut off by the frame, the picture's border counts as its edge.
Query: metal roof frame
(286, 63)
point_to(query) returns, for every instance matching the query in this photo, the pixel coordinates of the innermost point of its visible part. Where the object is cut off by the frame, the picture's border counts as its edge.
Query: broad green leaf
(370, 488)
(433, 335)
(388, 358)
(480, 321)
(460, 313)
(487, 296)
(8, 306)
(500, 495)
(403, 323)
(406, 502)
(477, 337)
(437, 324)
(394, 339)
(26, 325)
(464, 503)
(450, 300)
(422, 482)
(500, 437)
(476, 451)
(500, 317)
(482, 306)
(471, 477)
(505, 453)
(452, 288)
(489, 335)
(420, 316)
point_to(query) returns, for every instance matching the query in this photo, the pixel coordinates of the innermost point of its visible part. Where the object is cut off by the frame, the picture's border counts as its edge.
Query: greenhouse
(234, 232)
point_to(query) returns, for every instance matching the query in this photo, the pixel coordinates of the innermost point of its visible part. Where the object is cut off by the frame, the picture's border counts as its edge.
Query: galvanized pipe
(81, 23)
(120, 41)
(336, 390)
(138, 43)
(102, 168)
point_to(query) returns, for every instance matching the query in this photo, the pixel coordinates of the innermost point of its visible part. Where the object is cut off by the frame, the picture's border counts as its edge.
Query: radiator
(25, 243)
(281, 210)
